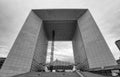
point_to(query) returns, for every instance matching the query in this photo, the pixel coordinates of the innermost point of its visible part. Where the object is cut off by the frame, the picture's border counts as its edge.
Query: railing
(78, 72)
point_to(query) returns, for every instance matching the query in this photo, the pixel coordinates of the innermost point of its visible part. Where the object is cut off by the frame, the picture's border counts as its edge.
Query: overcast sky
(14, 12)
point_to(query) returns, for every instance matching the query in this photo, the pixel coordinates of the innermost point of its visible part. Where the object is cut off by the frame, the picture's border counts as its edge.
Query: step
(49, 74)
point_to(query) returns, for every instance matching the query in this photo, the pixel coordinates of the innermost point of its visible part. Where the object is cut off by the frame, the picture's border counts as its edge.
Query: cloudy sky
(14, 12)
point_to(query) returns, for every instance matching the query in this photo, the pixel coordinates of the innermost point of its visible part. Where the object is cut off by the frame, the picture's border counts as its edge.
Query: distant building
(1, 61)
(118, 44)
(118, 61)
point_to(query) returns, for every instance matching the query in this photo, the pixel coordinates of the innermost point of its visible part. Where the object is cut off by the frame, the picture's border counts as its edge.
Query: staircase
(60, 74)
(49, 74)
(89, 74)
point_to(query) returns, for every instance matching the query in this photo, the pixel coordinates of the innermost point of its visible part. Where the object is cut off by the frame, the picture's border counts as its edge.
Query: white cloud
(4, 51)
(63, 51)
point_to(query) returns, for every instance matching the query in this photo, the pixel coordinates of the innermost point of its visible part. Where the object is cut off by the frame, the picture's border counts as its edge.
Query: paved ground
(88, 74)
(49, 74)
(59, 74)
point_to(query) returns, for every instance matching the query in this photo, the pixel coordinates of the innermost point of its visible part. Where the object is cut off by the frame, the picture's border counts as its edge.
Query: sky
(13, 14)
(63, 51)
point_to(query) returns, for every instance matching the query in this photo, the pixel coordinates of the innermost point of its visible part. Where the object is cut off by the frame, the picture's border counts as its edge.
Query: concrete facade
(21, 57)
(28, 53)
(40, 52)
(97, 52)
(80, 56)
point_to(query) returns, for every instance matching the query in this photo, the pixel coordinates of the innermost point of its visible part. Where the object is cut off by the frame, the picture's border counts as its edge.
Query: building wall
(29, 50)
(39, 58)
(97, 51)
(79, 50)
(20, 57)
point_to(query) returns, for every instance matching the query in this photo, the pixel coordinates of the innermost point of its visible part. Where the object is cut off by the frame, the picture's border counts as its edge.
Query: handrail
(79, 73)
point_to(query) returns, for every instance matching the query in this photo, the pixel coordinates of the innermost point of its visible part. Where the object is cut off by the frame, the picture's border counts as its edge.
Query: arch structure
(28, 53)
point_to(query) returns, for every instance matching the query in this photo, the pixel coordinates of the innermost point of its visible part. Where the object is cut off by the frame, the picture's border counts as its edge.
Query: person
(119, 74)
(74, 68)
(51, 68)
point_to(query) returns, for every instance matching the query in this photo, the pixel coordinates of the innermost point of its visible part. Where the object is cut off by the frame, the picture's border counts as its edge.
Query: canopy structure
(60, 65)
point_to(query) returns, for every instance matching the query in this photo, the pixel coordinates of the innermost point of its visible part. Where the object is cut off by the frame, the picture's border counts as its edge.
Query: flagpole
(52, 47)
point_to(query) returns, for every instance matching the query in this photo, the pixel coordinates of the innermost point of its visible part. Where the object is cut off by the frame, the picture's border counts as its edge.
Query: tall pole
(52, 46)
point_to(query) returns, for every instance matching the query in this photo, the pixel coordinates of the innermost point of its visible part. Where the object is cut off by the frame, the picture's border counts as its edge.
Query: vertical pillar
(39, 58)
(21, 54)
(97, 51)
(79, 51)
